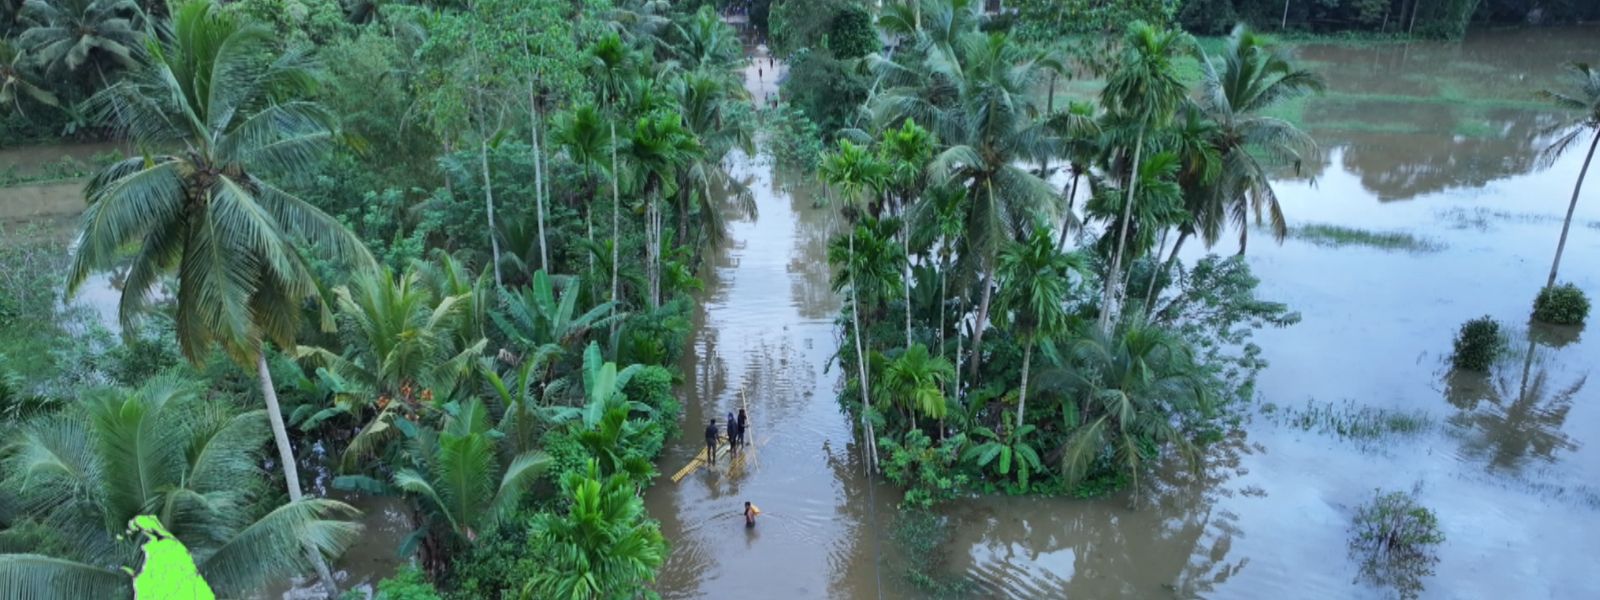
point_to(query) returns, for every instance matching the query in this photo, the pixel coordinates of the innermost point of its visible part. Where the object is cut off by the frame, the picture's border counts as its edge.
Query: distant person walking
(711, 441)
(733, 435)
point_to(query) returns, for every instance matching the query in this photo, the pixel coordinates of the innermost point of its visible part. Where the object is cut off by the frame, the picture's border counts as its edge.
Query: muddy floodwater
(1434, 141)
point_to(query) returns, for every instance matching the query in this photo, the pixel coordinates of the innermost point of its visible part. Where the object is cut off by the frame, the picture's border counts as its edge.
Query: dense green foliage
(1562, 304)
(985, 353)
(493, 362)
(1477, 344)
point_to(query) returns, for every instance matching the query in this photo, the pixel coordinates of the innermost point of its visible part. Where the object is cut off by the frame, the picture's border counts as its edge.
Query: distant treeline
(1428, 18)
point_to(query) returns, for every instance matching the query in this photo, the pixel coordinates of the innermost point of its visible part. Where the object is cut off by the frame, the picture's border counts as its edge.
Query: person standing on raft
(711, 441)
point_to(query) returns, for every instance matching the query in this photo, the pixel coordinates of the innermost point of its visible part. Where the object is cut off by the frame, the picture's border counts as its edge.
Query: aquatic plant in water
(1396, 539)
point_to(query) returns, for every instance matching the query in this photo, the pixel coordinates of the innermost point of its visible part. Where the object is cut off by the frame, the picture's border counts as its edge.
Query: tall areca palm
(657, 148)
(605, 546)
(401, 351)
(68, 35)
(1144, 92)
(580, 133)
(78, 477)
(976, 94)
(234, 239)
(1036, 282)
(854, 177)
(1247, 79)
(611, 65)
(1582, 98)
(906, 152)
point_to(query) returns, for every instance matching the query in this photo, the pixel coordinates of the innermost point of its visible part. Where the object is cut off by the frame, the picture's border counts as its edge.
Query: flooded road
(1438, 141)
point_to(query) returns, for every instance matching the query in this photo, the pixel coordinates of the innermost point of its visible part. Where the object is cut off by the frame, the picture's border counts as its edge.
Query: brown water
(1507, 466)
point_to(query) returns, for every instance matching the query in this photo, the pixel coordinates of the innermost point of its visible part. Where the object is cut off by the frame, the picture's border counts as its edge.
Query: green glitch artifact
(168, 572)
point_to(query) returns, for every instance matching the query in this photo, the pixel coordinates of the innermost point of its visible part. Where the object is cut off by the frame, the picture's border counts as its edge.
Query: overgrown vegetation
(1349, 419)
(1336, 236)
(1396, 541)
(1478, 344)
(1562, 304)
(414, 246)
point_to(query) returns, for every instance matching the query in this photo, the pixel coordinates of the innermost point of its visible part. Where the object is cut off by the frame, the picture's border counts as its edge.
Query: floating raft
(736, 462)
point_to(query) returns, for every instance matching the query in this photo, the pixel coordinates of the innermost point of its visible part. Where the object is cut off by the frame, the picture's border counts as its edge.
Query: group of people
(736, 430)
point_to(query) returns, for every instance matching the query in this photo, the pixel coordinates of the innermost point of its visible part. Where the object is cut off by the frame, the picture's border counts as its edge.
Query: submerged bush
(1562, 304)
(1477, 344)
(1396, 540)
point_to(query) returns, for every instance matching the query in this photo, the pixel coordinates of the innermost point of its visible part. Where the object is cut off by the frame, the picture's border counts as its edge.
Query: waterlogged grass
(1337, 236)
(1349, 420)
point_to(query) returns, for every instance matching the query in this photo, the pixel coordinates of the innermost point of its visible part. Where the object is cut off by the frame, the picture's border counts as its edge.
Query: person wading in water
(711, 441)
(743, 421)
(750, 512)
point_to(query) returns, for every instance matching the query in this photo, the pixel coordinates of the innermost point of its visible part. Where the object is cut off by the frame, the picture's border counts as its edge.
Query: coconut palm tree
(1077, 136)
(657, 148)
(1143, 92)
(17, 82)
(1249, 77)
(1581, 97)
(1036, 283)
(705, 41)
(976, 94)
(68, 35)
(604, 546)
(78, 477)
(218, 90)
(714, 105)
(400, 353)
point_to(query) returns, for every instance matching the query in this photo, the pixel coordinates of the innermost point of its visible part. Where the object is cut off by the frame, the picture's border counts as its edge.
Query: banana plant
(1005, 454)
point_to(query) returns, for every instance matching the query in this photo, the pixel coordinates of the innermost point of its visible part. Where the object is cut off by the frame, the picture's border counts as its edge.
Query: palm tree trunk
(861, 361)
(943, 290)
(1066, 220)
(1561, 245)
(538, 177)
(1022, 393)
(1284, 24)
(983, 316)
(1150, 289)
(960, 349)
(488, 203)
(653, 240)
(905, 270)
(1106, 302)
(616, 216)
(291, 471)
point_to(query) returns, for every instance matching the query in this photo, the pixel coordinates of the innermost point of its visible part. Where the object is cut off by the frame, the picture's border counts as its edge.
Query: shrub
(406, 584)
(1562, 304)
(1477, 344)
(1395, 538)
(926, 470)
